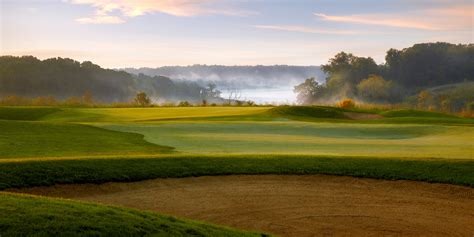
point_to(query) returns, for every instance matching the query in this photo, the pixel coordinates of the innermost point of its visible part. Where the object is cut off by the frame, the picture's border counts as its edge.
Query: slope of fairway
(26, 113)
(346, 139)
(367, 116)
(22, 215)
(149, 114)
(40, 139)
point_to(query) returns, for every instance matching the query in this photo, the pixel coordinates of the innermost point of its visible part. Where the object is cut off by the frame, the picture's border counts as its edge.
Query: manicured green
(24, 215)
(293, 137)
(41, 139)
(44, 173)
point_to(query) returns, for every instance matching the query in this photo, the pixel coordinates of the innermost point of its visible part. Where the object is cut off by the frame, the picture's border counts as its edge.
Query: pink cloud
(452, 18)
(304, 29)
(133, 8)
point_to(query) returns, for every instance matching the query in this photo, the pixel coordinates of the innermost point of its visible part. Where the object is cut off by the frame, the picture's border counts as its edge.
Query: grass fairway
(41, 139)
(23, 215)
(47, 146)
(122, 115)
(292, 137)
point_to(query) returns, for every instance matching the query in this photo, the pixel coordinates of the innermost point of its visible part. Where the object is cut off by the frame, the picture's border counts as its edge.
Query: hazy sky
(120, 33)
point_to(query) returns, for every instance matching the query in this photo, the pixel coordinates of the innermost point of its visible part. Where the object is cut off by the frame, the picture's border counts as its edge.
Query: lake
(265, 95)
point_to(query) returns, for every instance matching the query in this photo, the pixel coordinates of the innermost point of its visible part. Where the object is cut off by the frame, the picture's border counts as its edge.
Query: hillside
(63, 78)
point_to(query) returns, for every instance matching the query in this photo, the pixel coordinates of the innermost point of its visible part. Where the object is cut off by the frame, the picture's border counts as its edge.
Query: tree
(87, 98)
(345, 71)
(309, 91)
(425, 99)
(142, 99)
(211, 87)
(375, 88)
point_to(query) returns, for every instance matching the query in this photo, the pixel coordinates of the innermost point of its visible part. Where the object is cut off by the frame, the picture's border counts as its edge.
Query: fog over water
(283, 95)
(261, 84)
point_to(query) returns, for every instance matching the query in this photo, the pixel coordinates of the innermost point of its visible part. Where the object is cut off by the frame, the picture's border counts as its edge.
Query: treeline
(63, 78)
(408, 76)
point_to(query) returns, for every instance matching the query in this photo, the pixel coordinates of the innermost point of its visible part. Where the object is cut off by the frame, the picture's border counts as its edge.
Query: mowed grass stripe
(46, 173)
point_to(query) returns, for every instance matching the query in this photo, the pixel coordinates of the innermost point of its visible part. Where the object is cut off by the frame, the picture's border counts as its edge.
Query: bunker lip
(291, 205)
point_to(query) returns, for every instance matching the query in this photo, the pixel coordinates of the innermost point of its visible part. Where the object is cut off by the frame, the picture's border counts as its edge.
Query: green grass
(24, 215)
(237, 130)
(26, 113)
(415, 113)
(45, 173)
(309, 111)
(293, 137)
(120, 115)
(41, 139)
(47, 146)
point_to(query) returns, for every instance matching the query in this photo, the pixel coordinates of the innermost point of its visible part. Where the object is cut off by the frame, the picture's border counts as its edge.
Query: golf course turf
(24, 215)
(48, 146)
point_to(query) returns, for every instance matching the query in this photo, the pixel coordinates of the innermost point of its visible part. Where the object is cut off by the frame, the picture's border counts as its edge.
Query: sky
(152, 33)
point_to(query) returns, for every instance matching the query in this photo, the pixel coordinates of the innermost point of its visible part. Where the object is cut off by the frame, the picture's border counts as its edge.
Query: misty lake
(265, 95)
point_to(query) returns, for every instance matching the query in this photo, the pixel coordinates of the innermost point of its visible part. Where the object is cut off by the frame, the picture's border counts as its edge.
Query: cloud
(449, 18)
(304, 29)
(378, 20)
(133, 8)
(101, 20)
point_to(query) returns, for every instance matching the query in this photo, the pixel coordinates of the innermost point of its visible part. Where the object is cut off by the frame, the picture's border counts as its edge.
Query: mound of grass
(24, 215)
(309, 112)
(26, 113)
(149, 114)
(46, 173)
(40, 139)
(415, 113)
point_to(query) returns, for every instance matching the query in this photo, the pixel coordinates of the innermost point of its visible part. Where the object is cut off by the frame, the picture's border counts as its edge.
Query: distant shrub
(184, 104)
(168, 104)
(142, 99)
(468, 111)
(347, 104)
(250, 103)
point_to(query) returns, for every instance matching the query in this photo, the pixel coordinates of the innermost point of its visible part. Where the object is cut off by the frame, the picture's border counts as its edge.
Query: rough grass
(336, 115)
(415, 113)
(309, 111)
(46, 173)
(40, 139)
(26, 113)
(24, 215)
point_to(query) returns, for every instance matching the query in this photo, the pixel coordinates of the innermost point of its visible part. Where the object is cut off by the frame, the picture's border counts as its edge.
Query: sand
(286, 205)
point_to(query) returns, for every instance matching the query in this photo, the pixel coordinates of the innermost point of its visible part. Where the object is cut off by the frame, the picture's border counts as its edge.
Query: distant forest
(63, 78)
(429, 76)
(237, 77)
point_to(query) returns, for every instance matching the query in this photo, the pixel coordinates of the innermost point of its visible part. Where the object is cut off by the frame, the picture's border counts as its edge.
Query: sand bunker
(313, 205)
